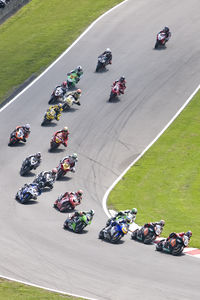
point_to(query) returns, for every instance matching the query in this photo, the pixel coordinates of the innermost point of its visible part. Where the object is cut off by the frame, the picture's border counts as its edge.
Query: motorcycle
(63, 168)
(41, 183)
(56, 141)
(57, 95)
(174, 246)
(115, 91)
(27, 193)
(68, 101)
(102, 62)
(64, 204)
(147, 235)
(28, 165)
(72, 79)
(49, 116)
(78, 223)
(115, 233)
(160, 40)
(16, 137)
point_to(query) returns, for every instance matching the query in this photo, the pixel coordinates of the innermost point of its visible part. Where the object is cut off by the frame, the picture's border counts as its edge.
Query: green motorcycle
(78, 221)
(72, 79)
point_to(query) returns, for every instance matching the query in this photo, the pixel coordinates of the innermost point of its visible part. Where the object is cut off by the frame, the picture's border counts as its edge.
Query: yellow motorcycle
(49, 116)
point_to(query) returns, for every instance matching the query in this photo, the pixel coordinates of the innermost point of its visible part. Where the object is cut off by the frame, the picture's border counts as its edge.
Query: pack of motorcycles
(77, 223)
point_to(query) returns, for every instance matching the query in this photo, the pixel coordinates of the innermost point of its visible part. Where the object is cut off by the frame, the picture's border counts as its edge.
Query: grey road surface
(107, 137)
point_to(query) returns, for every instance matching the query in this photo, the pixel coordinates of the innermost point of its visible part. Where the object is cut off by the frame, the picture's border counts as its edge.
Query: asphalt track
(107, 137)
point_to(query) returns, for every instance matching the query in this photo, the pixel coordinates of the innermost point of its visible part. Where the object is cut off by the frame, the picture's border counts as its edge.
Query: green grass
(16, 291)
(37, 34)
(165, 182)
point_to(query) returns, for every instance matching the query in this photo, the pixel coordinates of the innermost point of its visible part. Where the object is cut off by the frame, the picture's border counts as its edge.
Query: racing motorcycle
(29, 164)
(49, 116)
(16, 136)
(72, 80)
(147, 235)
(102, 62)
(44, 182)
(78, 223)
(57, 95)
(64, 204)
(27, 193)
(115, 91)
(115, 233)
(160, 40)
(56, 141)
(63, 168)
(174, 246)
(68, 101)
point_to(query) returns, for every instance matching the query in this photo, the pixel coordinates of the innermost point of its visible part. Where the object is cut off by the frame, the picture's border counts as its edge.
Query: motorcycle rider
(76, 95)
(175, 235)
(167, 33)
(34, 185)
(108, 54)
(71, 160)
(58, 109)
(122, 84)
(78, 71)
(41, 179)
(26, 130)
(127, 215)
(63, 86)
(147, 225)
(36, 158)
(64, 134)
(77, 196)
(81, 213)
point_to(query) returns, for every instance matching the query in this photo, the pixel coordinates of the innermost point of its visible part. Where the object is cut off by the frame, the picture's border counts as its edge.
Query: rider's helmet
(134, 211)
(75, 156)
(166, 29)
(92, 212)
(79, 193)
(64, 84)
(122, 79)
(79, 69)
(54, 171)
(59, 105)
(38, 155)
(65, 129)
(27, 127)
(162, 223)
(79, 91)
(189, 234)
(128, 219)
(108, 50)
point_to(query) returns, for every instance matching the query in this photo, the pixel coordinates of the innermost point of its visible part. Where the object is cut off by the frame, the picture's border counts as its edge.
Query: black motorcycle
(28, 165)
(102, 62)
(173, 246)
(44, 181)
(147, 235)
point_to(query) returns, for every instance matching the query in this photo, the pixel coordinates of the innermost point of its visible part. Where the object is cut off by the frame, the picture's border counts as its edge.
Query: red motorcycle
(56, 141)
(16, 136)
(115, 91)
(160, 40)
(63, 168)
(66, 203)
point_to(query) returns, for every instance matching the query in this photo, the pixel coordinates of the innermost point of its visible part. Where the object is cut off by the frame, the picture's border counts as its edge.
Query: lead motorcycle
(28, 165)
(173, 246)
(147, 235)
(28, 192)
(57, 95)
(64, 204)
(115, 233)
(78, 223)
(16, 137)
(160, 40)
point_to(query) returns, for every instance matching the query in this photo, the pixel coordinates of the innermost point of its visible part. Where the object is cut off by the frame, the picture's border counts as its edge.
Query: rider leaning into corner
(63, 134)
(122, 84)
(78, 71)
(108, 54)
(76, 95)
(77, 196)
(167, 33)
(58, 109)
(174, 235)
(71, 160)
(26, 130)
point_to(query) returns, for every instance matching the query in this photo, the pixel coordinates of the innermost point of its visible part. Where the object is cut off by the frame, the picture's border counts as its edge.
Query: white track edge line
(105, 197)
(65, 52)
(45, 288)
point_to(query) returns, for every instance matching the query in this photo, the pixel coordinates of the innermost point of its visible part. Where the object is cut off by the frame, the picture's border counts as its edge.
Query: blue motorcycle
(114, 232)
(28, 192)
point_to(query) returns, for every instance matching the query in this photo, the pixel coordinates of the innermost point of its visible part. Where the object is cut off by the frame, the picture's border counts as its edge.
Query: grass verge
(165, 182)
(12, 290)
(38, 33)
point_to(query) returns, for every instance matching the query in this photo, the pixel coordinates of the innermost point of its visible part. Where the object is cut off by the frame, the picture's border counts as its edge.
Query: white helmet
(108, 50)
